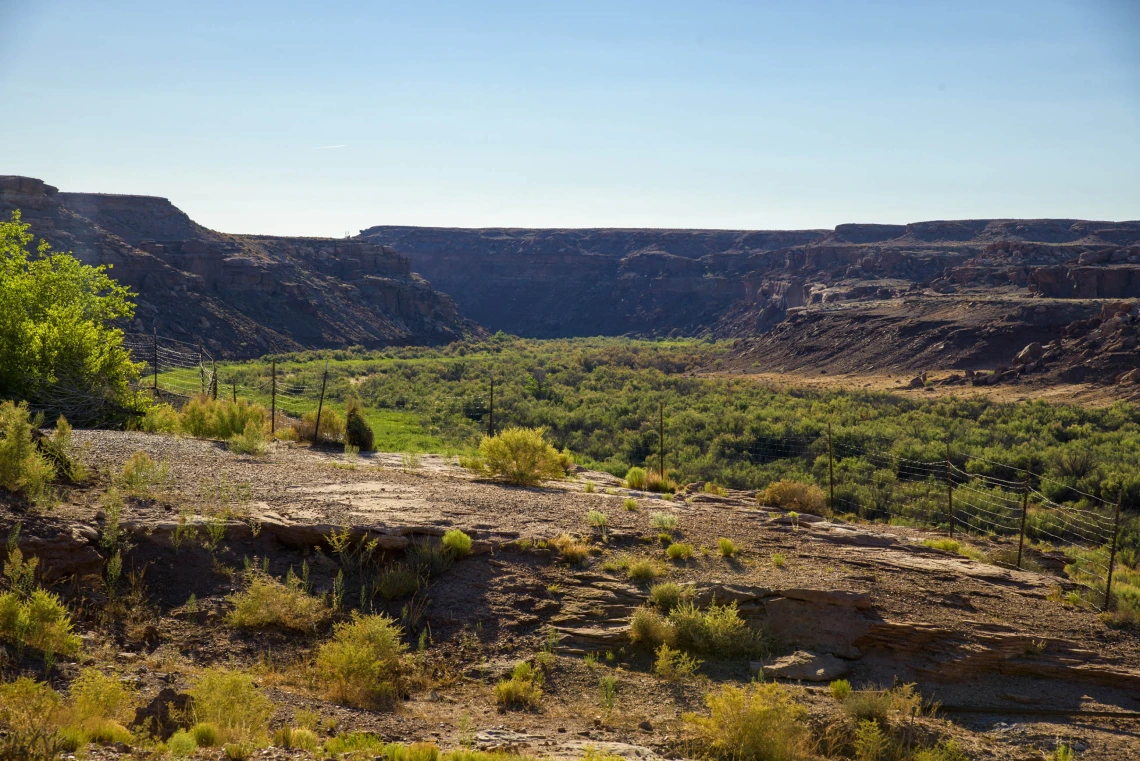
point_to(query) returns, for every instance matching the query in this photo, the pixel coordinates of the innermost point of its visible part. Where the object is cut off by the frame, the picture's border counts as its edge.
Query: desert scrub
(251, 441)
(571, 549)
(879, 705)
(357, 432)
(643, 570)
(141, 475)
(363, 664)
(726, 547)
(840, 689)
(630, 504)
(635, 478)
(679, 551)
(291, 738)
(39, 620)
(649, 628)
(23, 470)
(519, 456)
(760, 722)
(427, 558)
(668, 595)
(158, 418)
(268, 602)
(673, 665)
(655, 482)
(663, 521)
(395, 581)
(711, 488)
(718, 631)
(30, 715)
(99, 708)
(206, 418)
(61, 453)
(598, 519)
(778, 559)
(522, 690)
(456, 542)
(229, 701)
(793, 495)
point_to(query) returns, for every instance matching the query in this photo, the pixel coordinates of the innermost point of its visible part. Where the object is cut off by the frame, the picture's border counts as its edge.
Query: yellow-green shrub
(208, 418)
(635, 478)
(332, 425)
(141, 475)
(268, 602)
(251, 441)
(793, 495)
(23, 469)
(456, 542)
(231, 702)
(719, 630)
(363, 664)
(650, 628)
(760, 722)
(519, 456)
(181, 744)
(159, 418)
(40, 620)
(523, 689)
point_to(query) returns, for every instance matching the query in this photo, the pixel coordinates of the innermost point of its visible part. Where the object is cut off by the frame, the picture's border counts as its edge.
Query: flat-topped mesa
(25, 192)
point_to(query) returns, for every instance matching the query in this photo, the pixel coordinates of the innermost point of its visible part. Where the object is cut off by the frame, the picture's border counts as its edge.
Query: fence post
(320, 405)
(214, 380)
(233, 387)
(1112, 553)
(831, 467)
(202, 367)
(491, 417)
(661, 436)
(156, 363)
(1024, 513)
(949, 493)
(273, 403)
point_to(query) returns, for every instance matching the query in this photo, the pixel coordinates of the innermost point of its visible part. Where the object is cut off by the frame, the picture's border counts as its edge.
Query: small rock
(645, 726)
(803, 666)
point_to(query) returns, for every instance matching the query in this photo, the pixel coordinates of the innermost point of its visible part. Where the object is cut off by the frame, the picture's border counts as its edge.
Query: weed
(655, 482)
(22, 468)
(793, 495)
(1063, 752)
(457, 543)
(760, 722)
(679, 551)
(363, 665)
(650, 628)
(291, 738)
(519, 456)
(711, 488)
(630, 504)
(206, 734)
(397, 580)
(571, 550)
(229, 700)
(778, 559)
(673, 665)
(589, 488)
(598, 519)
(251, 441)
(39, 620)
(840, 689)
(643, 570)
(665, 538)
(427, 558)
(181, 744)
(635, 478)
(141, 475)
(719, 630)
(946, 545)
(668, 595)
(870, 741)
(522, 690)
(607, 692)
(411, 460)
(268, 602)
(663, 521)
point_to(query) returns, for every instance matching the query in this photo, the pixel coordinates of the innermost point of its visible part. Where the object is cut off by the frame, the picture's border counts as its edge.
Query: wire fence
(956, 494)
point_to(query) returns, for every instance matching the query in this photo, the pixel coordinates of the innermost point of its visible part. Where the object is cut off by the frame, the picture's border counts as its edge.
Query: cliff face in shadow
(241, 295)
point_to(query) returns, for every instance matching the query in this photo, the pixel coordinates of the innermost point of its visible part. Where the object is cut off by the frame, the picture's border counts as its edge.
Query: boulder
(1132, 376)
(1028, 354)
(802, 666)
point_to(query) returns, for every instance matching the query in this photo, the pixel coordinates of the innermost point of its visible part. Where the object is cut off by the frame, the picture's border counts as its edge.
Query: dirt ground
(1014, 670)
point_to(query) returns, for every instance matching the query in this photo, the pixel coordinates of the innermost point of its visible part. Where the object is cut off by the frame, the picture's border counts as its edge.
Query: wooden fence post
(949, 493)
(202, 367)
(491, 417)
(831, 467)
(214, 380)
(1112, 553)
(1024, 513)
(156, 363)
(320, 405)
(273, 403)
(661, 437)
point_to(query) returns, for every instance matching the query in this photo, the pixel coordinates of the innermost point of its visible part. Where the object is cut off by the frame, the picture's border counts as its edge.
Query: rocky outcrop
(240, 295)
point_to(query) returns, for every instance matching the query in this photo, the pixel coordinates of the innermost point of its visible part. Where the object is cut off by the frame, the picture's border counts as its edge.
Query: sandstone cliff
(240, 295)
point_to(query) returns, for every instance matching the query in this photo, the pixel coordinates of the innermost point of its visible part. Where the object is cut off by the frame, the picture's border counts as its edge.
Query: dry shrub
(363, 664)
(230, 702)
(760, 722)
(650, 628)
(668, 595)
(207, 418)
(635, 478)
(268, 602)
(793, 495)
(718, 631)
(654, 482)
(518, 456)
(571, 549)
(332, 425)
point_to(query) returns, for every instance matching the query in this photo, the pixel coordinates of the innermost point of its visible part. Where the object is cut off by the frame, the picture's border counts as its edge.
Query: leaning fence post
(831, 467)
(1024, 513)
(320, 405)
(1112, 553)
(949, 493)
(273, 403)
(156, 363)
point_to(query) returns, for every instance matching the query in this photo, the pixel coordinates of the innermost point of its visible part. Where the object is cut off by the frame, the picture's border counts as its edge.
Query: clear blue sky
(321, 118)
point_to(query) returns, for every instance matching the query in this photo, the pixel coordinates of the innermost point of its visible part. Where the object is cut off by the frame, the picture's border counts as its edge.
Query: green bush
(332, 425)
(519, 456)
(668, 595)
(291, 738)
(30, 715)
(141, 475)
(40, 621)
(718, 631)
(456, 542)
(666, 521)
(727, 547)
(97, 699)
(181, 744)
(635, 478)
(206, 734)
(522, 690)
(158, 418)
(357, 432)
(229, 701)
(650, 628)
(363, 664)
(397, 580)
(251, 441)
(206, 418)
(760, 722)
(643, 569)
(60, 451)
(56, 338)
(840, 689)
(23, 469)
(268, 602)
(679, 551)
(674, 665)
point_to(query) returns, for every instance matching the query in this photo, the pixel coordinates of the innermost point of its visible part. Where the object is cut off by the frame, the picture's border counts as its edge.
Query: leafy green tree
(56, 337)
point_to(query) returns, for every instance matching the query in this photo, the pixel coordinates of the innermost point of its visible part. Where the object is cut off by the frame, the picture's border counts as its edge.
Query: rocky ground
(1013, 669)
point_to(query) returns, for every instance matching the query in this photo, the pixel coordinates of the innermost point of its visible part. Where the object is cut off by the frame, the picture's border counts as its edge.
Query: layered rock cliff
(241, 295)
